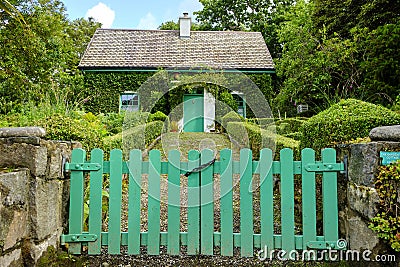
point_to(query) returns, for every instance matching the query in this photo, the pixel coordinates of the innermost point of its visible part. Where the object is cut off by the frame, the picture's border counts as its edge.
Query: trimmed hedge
(295, 135)
(159, 116)
(252, 136)
(137, 137)
(263, 122)
(289, 125)
(230, 117)
(347, 120)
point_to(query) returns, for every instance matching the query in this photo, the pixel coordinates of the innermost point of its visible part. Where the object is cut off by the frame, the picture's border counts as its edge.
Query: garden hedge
(252, 136)
(289, 125)
(135, 138)
(232, 116)
(347, 120)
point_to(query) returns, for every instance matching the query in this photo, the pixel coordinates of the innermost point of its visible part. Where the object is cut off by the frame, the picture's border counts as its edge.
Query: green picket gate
(200, 168)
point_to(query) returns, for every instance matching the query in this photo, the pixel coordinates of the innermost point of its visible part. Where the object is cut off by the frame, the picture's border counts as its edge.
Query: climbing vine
(102, 89)
(387, 222)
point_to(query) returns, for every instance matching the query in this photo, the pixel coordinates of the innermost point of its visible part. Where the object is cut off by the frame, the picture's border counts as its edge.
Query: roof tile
(113, 48)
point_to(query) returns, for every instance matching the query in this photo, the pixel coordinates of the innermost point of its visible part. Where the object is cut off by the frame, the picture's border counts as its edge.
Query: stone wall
(33, 194)
(358, 198)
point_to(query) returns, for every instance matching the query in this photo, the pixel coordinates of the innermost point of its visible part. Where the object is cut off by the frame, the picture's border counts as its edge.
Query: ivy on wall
(387, 222)
(102, 91)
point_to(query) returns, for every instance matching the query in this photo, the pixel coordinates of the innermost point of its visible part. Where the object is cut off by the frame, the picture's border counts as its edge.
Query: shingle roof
(152, 49)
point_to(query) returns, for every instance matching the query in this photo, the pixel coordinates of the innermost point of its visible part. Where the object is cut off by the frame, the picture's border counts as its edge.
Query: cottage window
(241, 102)
(129, 101)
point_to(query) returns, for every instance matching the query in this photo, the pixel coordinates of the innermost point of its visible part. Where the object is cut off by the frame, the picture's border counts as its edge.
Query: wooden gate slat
(193, 246)
(200, 237)
(95, 200)
(246, 203)
(207, 204)
(309, 206)
(153, 247)
(114, 225)
(76, 200)
(329, 197)
(266, 200)
(226, 208)
(287, 200)
(173, 201)
(135, 182)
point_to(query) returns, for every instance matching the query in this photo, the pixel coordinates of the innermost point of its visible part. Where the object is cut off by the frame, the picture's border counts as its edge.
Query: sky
(131, 14)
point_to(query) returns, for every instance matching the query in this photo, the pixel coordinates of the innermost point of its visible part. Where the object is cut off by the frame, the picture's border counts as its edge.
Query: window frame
(135, 107)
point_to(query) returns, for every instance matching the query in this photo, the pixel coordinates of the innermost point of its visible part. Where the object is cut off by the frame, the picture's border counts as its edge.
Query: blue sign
(389, 157)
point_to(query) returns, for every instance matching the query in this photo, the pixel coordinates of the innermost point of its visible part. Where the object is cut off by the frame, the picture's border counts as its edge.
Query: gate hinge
(325, 167)
(339, 244)
(71, 166)
(78, 238)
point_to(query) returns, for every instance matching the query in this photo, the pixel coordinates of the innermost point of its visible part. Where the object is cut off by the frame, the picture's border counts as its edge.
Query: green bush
(140, 136)
(88, 130)
(263, 122)
(286, 142)
(113, 122)
(289, 125)
(295, 135)
(387, 221)
(231, 117)
(111, 142)
(133, 119)
(159, 116)
(344, 121)
(252, 136)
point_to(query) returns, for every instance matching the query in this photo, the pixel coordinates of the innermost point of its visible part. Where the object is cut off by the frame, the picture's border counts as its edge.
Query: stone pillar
(33, 194)
(358, 198)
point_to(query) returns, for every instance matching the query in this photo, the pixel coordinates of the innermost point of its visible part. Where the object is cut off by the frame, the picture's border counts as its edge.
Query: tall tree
(42, 60)
(7, 8)
(172, 25)
(249, 15)
(341, 16)
(315, 70)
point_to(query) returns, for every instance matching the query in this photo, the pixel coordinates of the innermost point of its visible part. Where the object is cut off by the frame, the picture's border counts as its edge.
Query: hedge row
(289, 125)
(231, 116)
(252, 136)
(135, 138)
(347, 120)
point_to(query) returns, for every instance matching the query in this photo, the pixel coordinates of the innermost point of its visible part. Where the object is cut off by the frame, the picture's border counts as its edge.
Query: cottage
(118, 51)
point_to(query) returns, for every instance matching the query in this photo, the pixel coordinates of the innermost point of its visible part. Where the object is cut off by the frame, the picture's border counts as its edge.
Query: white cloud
(103, 14)
(147, 22)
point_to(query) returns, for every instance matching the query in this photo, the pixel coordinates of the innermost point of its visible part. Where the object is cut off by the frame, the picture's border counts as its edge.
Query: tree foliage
(40, 59)
(325, 60)
(341, 16)
(250, 15)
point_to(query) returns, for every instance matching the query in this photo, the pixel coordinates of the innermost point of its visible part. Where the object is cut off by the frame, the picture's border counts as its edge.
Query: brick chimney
(184, 26)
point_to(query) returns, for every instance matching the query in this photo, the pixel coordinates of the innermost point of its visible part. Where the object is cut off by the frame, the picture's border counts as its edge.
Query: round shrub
(347, 120)
(160, 116)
